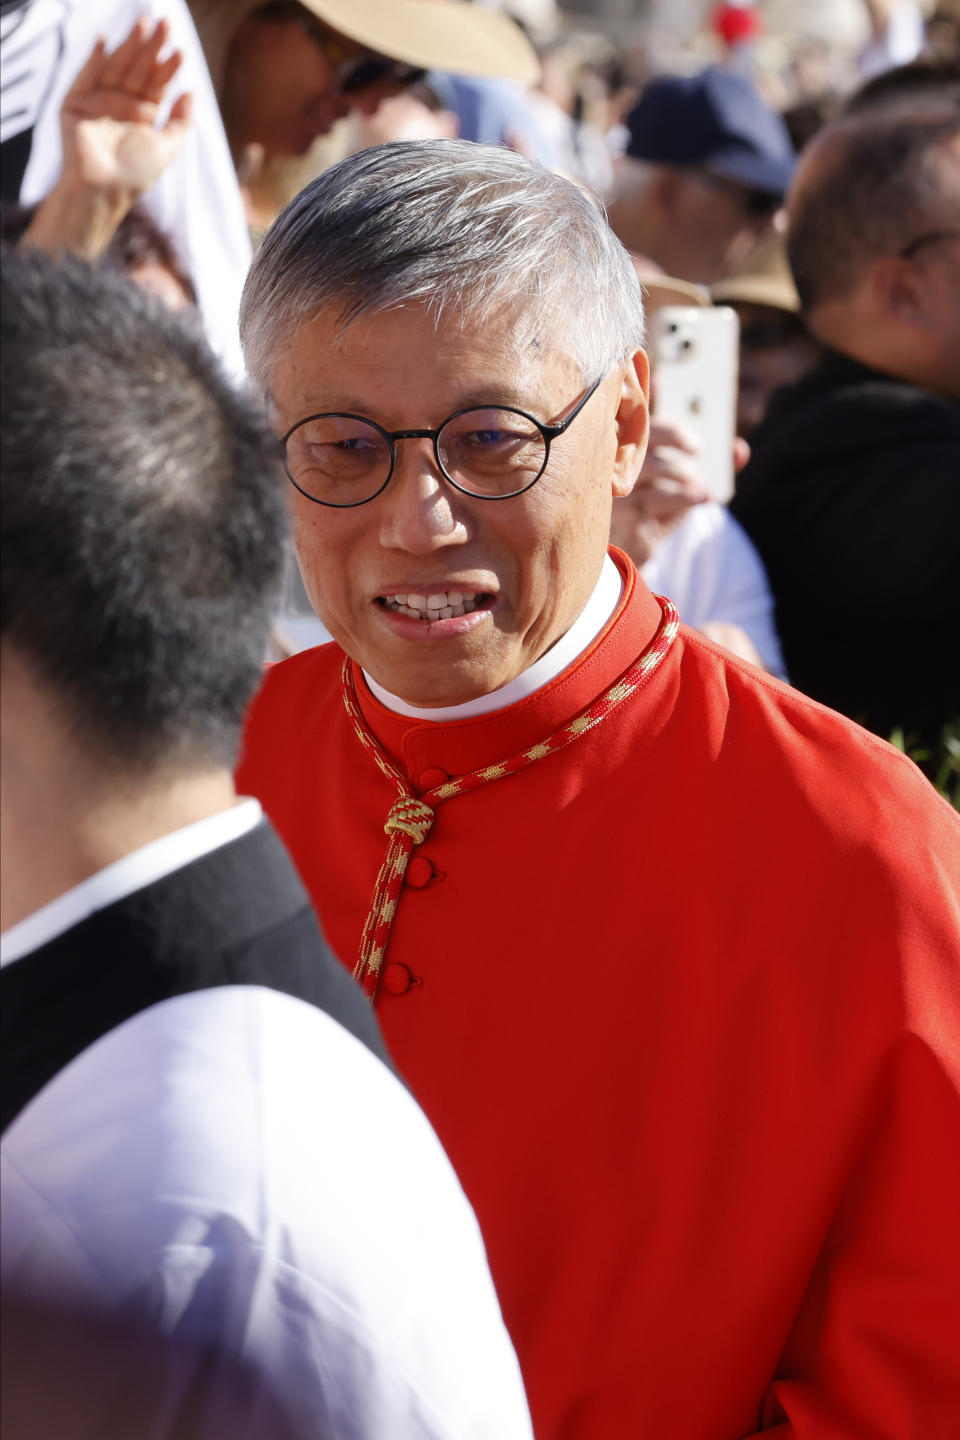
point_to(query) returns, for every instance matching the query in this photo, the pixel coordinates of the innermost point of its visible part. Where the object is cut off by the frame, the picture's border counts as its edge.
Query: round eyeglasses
(492, 452)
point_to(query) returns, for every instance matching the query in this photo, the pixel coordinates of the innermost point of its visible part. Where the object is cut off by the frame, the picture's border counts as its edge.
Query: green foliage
(940, 762)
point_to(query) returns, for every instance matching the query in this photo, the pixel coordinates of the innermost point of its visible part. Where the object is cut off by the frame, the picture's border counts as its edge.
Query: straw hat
(435, 35)
(660, 290)
(763, 279)
(429, 34)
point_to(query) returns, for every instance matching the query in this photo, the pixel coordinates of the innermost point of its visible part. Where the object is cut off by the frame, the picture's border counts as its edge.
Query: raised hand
(108, 119)
(113, 149)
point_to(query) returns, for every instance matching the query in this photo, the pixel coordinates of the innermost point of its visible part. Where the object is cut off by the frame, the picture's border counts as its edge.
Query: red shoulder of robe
(682, 1003)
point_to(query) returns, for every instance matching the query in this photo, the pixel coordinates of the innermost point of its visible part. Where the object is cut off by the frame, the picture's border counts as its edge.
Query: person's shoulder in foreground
(270, 1213)
(201, 1170)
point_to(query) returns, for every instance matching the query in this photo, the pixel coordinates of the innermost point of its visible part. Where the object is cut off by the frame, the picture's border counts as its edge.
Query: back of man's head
(928, 78)
(142, 524)
(867, 187)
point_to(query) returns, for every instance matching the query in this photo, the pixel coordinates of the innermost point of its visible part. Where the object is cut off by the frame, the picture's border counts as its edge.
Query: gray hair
(454, 226)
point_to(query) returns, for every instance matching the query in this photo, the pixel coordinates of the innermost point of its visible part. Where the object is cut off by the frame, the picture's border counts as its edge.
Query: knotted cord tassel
(409, 820)
(407, 825)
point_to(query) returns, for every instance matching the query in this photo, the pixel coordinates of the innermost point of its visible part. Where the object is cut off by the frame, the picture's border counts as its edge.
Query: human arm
(113, 150)
(875, 1345)
(875, 1349)
(666, 490)
(728, 594)
(709, 569)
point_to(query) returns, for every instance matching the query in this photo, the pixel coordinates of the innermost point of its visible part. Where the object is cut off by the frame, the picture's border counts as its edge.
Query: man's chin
(437, 689)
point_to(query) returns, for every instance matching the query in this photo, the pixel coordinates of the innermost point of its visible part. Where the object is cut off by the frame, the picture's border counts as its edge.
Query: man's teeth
(444, 606)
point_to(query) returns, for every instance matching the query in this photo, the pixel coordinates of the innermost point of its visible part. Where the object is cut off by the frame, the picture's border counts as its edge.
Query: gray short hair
(455, 226)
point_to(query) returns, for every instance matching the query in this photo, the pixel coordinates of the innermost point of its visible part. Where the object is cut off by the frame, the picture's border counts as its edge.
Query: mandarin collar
(431, 751)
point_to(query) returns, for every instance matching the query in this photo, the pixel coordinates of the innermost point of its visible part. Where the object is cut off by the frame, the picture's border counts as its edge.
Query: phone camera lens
(686, 345)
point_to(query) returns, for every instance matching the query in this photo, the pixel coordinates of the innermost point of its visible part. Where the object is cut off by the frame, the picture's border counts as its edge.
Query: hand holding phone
(695, 360)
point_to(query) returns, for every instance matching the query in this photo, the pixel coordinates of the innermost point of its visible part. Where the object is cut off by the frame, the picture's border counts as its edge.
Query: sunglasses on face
(357, 70)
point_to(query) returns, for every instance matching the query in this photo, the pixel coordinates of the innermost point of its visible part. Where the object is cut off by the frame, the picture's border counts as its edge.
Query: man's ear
(633, 422)
(898, 291)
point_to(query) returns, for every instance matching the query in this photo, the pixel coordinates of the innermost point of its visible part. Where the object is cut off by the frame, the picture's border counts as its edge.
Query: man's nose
(419, 511)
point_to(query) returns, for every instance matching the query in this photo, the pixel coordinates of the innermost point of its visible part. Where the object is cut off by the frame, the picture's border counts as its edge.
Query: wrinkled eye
(338, 459)
(357, 445)
(489, 436)
(487, 439)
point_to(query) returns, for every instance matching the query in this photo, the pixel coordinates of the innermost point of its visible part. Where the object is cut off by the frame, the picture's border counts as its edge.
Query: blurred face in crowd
(901, 313)
(517, 571)
(775, 350)
(720, 222)
(694, 225)
(290, 78)
(934, 263)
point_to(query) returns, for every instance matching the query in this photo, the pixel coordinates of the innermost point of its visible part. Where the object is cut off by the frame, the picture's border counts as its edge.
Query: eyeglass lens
(340, 460)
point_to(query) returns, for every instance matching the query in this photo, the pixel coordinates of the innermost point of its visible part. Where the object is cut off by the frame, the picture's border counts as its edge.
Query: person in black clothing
(852, 494)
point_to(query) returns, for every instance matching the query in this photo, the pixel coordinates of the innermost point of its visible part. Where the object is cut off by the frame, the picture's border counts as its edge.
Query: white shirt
(197, 199)
(584, 630)
(233, 1166)
(710, 569)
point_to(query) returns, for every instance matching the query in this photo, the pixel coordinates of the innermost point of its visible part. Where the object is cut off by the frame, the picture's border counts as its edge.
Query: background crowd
(685, 121)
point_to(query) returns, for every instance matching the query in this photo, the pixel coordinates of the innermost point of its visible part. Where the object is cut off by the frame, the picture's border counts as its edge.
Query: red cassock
(682, 1003)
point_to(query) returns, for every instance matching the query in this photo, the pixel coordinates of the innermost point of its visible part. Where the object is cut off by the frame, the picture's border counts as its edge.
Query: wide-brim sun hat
(661, 290)
(764, 278)
(435, 35)
(427, 34)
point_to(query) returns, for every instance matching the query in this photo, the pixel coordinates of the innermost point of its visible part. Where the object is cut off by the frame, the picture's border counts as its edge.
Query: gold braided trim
(410, 818)
(410, 815)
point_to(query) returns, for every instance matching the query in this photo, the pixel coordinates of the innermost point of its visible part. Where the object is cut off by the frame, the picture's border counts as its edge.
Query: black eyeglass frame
(548, 434)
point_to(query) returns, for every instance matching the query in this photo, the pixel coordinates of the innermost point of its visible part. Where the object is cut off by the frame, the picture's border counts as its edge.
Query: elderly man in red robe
(667, 951)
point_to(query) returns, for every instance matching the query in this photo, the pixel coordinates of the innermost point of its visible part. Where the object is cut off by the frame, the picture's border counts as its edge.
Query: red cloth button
(396, 978)
(419, 872)
(430, 779)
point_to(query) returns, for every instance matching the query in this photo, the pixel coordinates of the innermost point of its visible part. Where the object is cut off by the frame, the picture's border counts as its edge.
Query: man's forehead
(508, 345)
(512, 327)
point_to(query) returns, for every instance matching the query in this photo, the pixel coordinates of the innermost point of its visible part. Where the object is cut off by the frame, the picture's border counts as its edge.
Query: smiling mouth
(446, 605)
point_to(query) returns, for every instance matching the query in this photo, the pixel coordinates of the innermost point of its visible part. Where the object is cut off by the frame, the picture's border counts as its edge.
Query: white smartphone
(694, 355)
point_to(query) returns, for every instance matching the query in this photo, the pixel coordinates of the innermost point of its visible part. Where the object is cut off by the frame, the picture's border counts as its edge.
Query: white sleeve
(196, 201)
(261, 1205)
(710, 569)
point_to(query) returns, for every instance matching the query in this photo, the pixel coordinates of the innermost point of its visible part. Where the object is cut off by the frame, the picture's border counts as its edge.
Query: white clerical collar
(583, 631)
(125, 876)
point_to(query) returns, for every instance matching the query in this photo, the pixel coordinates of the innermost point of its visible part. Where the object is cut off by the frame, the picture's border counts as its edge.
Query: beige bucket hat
(434, 35)
(661, 290)
(429, 34)
(764, 278)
